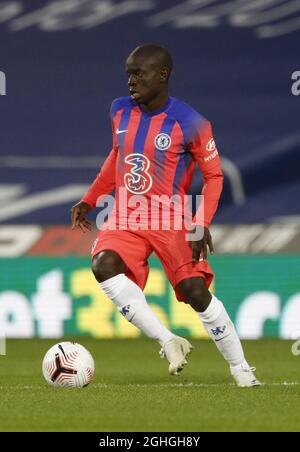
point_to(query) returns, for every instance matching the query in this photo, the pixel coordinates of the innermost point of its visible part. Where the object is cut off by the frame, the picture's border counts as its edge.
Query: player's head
(148, 67)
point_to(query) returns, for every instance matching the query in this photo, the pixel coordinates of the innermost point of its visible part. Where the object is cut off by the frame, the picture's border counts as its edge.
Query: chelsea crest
(162, 141)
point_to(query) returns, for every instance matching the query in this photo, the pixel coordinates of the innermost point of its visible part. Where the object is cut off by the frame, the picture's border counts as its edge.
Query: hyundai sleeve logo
(211, 145)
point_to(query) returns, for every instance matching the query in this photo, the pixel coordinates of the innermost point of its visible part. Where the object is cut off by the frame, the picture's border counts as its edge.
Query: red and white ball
(68, 364)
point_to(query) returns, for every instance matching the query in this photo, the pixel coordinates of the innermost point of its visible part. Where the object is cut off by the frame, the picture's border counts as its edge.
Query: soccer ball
(68, 364)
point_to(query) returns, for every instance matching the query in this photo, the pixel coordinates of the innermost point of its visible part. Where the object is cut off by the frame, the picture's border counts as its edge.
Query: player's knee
(196, 293)
(107, 264)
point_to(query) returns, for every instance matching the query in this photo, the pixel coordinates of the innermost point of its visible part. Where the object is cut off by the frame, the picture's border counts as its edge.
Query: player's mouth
(135, 95)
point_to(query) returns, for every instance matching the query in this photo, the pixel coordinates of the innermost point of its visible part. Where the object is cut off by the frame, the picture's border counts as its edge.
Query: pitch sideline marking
(163, 385)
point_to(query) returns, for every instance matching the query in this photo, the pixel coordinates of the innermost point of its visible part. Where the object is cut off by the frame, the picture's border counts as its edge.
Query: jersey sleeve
(205, 153)
(105, 181)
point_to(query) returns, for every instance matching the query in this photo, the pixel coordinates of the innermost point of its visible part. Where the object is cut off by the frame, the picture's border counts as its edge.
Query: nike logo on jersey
(121, 131)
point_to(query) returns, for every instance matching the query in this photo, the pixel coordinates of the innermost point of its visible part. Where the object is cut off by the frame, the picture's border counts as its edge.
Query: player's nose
(131, 81)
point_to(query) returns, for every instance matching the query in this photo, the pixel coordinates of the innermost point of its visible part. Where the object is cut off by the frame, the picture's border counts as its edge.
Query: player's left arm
(206, 155)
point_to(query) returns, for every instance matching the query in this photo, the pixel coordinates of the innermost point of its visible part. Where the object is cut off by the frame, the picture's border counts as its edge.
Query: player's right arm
(102, 186)
(104, 183)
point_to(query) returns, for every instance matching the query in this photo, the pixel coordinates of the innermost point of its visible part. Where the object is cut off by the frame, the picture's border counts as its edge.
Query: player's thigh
(175, 254)
(127, 251)
(171, 248)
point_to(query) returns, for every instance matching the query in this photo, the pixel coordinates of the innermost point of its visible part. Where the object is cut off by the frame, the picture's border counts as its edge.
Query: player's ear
(164, 74)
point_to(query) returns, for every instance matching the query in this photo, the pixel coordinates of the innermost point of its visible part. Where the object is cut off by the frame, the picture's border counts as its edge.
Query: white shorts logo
(162, 141)
(138, 181)
(211, 145)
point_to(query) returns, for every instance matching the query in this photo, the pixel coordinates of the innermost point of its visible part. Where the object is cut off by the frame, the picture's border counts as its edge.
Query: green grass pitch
(132, 390)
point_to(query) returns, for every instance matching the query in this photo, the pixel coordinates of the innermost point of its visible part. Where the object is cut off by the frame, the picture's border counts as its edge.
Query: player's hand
(78, 213)
(199, 247)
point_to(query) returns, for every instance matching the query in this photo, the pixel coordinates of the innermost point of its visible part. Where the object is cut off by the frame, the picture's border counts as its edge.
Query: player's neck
(157, 103)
